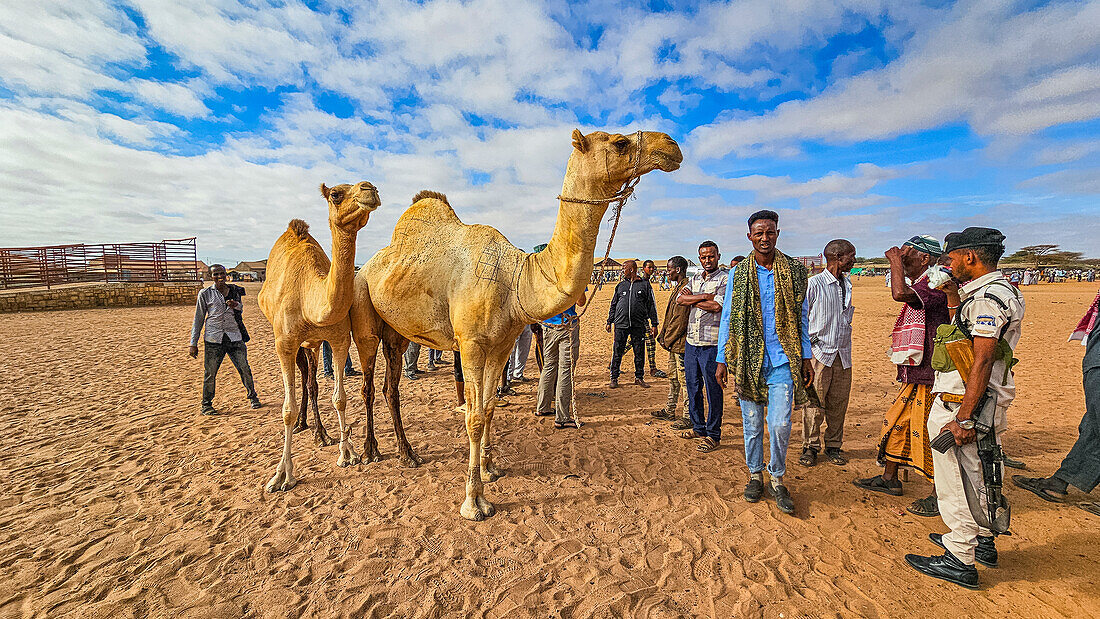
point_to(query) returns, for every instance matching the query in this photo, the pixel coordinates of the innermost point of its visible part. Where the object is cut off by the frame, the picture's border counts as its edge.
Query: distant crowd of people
(781, 339)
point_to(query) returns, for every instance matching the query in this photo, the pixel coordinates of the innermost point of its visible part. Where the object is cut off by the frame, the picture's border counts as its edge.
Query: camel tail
(299, 228)
(430, 194)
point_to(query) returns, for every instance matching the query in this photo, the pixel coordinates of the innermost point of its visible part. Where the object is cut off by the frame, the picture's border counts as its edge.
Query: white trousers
(954, 510)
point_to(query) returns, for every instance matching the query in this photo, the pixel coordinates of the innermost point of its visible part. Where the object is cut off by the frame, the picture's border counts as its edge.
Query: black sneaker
(210, 411)
(256, 403)
(783, 499)
(945, 567)
(985, 553)
(411, 376)
(655, 373)
(878, 484)
(754, 490)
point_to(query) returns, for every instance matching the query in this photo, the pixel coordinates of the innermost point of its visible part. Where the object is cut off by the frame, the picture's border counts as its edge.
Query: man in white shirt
(218, 316)
(829, 295)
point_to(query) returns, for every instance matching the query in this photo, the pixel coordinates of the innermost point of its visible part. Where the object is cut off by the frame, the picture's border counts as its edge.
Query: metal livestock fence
(171, 260)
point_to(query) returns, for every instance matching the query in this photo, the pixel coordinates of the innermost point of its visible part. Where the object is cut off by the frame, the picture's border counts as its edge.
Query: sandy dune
(119, 500)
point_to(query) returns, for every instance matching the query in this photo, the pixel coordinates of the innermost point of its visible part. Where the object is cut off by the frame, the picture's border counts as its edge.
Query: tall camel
(307, 299)
(452, 286)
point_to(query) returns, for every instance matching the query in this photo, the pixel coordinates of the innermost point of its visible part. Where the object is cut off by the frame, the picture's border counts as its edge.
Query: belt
(951, 397)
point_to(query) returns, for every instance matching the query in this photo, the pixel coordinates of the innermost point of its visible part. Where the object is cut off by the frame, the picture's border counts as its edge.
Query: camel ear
(324, 191)
(579, 141)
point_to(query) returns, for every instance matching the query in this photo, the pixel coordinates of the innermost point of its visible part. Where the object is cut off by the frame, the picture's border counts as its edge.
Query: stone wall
(100, 295)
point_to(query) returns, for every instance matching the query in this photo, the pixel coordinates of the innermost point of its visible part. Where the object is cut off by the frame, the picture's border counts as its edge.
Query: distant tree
(1065, 256)
(1035, 253)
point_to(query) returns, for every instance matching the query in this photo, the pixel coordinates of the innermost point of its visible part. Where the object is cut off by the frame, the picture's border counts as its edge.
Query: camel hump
(430, 194)
(299, 228)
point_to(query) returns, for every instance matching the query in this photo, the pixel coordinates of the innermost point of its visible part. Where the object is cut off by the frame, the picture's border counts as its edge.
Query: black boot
(985, 553)
(945, 567)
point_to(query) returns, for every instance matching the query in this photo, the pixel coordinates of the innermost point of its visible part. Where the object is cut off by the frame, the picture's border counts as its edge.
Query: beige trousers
(833, 384)
(949, 468)
(677, 384)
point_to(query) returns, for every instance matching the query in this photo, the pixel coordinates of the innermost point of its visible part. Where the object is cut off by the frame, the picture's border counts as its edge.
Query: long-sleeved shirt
(773, 349)
(632, 304)
(831, 311)
(211, 310)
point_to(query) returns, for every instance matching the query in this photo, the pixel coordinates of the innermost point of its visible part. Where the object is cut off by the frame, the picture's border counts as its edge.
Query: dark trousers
(637, 344)
(699, 367)
(1081, 467)
(212, 360)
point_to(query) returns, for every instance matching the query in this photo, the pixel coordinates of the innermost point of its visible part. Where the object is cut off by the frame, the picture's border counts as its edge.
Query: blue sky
(869, 120)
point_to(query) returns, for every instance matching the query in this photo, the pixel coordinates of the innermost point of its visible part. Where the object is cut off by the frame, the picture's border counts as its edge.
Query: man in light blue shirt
(774, 387)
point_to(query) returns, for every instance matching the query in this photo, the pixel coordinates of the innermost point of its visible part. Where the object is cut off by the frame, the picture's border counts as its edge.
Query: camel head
(614, 158)
(350, 206)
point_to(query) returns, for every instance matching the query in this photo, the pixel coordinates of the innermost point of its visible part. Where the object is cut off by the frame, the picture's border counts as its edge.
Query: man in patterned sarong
(904, 440)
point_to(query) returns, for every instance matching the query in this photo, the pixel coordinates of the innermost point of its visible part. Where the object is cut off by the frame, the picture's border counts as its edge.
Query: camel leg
(393, 346)
(480, 384)
(368, 357)
(302, 361)
(321, 437)
(489, 472)
(284, 473)
(348, 457)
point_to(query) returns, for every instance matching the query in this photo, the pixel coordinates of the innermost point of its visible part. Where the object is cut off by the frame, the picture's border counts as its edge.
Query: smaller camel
(307, 299)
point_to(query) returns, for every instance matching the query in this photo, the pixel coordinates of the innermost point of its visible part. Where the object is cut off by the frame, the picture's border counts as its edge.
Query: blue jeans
(326, 359)
(699, 367)
(779, 405)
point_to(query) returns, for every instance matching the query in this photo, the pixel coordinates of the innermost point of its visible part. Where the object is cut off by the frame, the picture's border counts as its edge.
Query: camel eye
(621, 143)
(337, 196)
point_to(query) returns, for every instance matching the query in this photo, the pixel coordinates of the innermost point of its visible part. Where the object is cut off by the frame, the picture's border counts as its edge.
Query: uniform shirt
(831, 310)
(217, 316)
(984, 317)
(774, 355)
(702, 329)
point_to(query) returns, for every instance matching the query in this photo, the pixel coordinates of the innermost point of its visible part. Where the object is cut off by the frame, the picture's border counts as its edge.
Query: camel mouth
(667, 162)
(369, 203)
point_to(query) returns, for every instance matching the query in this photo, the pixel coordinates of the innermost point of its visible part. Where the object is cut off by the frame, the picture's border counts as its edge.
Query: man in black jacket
(631, 307)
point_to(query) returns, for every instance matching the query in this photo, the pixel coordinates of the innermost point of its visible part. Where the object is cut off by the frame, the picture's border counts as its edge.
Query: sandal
(809, 457)
(835, 456)
(1035, 484)
(690, 434)
(549, 413)
(707, 445)
(1092, 508)
(1013, 463)
(561, 425)
(879, 484)
(927, 507)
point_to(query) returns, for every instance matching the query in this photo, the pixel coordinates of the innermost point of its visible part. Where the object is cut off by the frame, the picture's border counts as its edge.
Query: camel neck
(555, 277)
(340, 281)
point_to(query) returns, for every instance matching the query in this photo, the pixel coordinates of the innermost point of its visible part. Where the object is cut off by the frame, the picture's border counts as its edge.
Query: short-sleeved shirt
(703, 326)
(563, 317)
(991, 307)
(934, 304)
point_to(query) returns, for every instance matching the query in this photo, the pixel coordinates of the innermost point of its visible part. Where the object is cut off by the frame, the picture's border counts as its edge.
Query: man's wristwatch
(965, 424)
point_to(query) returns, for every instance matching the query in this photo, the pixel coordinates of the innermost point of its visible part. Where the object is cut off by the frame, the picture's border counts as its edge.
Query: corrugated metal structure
(171, 260)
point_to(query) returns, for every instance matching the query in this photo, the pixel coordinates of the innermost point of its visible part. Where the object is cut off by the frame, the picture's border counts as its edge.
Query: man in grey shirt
(218, 314)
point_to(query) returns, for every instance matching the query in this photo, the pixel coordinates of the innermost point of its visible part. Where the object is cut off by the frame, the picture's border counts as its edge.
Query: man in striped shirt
(218, 317)
(829, 295)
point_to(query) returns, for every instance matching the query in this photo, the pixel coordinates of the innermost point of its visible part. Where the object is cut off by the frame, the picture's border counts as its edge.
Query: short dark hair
(764, 214)
(990, 255)
(837, 247)
(217, 266)
(738, 258)
(708, 244)
(647, 262)
(678, 262)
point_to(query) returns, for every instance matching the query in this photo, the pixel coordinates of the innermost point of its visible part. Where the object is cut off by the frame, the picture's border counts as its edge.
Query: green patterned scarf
(745, 346)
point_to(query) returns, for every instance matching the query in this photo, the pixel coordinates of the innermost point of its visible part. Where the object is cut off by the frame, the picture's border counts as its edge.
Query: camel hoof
(411, 460)
(298, 429)
(470, 511)
(276, 482)
(322, 439)
(486, 507)
(289, 483)
(348, 460)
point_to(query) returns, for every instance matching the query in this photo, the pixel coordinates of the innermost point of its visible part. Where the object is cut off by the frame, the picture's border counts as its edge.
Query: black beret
(973, 236)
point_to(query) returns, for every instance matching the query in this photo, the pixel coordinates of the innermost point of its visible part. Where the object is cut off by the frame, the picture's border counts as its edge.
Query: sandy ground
(117, 499)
